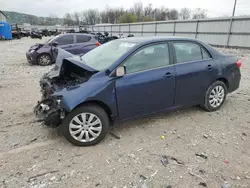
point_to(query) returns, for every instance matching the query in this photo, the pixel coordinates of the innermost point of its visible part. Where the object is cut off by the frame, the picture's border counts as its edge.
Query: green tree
(127, 18)
(147, 19)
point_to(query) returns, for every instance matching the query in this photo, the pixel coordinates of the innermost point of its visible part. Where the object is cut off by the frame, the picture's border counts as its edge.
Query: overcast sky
(215, 8)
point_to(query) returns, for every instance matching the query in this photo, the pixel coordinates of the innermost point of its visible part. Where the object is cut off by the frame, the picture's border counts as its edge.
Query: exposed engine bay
(65, 76)
(69, 75)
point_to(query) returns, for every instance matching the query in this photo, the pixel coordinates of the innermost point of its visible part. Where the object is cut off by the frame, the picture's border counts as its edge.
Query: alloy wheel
(85, 127)
(216, 96)
(44, 60)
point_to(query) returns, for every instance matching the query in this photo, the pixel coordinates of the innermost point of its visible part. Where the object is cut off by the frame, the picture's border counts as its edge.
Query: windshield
(105, 55)
(52, 39)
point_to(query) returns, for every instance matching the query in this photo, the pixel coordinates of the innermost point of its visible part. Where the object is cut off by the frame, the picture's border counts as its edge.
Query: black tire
(42, 63)
(206, 105)
(94, 109)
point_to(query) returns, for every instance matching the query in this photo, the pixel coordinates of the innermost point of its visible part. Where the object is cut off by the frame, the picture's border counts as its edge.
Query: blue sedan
(130, 78)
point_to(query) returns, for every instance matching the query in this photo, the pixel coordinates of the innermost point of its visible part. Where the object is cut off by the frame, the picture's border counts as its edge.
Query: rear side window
(82, 38)
(67, 39)
(205, 54)
(188, 51)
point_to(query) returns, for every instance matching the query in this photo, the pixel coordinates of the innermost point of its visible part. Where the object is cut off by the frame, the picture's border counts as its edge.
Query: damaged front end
(49, 111)
(67, 74)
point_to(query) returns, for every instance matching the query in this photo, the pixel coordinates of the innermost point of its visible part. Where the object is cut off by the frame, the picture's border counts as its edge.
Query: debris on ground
(164, 160)
(143, 177)
(154, 173)
(114, 135)
(202, 155)
(226, 161)
(177, 161)
(247, 177)
(203, 184)
(202, 171)
(33, 140)
(97, 184)
(52, 178)
(163, 137)
(244, 134)
(205, 136)
(42, 174)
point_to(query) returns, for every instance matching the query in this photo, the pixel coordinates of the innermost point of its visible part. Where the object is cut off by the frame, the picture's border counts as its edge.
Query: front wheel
(215, 96)
(86, 125)
(44, 60)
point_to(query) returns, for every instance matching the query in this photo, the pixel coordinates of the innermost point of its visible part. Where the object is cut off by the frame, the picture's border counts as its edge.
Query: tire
(84, 112)
(215, 91)
(41, 59)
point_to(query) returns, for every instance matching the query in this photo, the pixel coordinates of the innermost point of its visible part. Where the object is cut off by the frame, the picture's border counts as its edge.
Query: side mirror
(120, 71)
(55, 44)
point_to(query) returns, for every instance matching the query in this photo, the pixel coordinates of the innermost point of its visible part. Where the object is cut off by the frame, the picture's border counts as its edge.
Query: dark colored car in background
(75, 43)
(36, 35)
(133, 77)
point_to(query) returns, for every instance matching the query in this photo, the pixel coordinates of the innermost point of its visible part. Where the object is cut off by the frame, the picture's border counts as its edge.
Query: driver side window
(66, 39)
(147, 58)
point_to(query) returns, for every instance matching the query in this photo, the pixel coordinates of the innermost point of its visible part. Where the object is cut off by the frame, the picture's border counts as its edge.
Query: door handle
(209, 67)
(168, 75)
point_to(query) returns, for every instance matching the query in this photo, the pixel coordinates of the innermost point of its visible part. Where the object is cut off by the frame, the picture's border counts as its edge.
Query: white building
(2, 17)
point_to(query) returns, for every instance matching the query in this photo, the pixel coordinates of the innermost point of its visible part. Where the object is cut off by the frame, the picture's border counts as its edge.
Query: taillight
(239, 63)
(97, 43)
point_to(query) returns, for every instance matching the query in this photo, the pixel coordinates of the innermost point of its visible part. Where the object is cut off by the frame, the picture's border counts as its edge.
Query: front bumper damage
(50, 112)
(67, 74)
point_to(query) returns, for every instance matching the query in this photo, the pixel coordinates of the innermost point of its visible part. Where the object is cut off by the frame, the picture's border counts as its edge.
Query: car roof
(154, 39)
(85, 34)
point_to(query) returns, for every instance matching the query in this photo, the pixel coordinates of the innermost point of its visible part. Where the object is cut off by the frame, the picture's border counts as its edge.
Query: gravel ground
(32, 155)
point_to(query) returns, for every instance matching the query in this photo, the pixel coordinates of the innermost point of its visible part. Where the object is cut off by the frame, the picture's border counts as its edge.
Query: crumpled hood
(36, 46)
(63, 55)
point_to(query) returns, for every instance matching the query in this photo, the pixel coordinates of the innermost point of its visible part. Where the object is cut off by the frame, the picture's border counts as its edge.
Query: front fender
(44, 49)
(91, 90)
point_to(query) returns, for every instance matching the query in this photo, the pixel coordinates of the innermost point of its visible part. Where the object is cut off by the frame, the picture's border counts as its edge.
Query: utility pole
(235, 2)
(231, 22)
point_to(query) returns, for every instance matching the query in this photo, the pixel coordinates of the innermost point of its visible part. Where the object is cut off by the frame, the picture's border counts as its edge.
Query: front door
(66, 42)
(195, 71)
(149, 83)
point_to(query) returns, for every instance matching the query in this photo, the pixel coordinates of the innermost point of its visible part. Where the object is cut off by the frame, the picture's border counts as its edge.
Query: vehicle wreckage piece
(50, 112)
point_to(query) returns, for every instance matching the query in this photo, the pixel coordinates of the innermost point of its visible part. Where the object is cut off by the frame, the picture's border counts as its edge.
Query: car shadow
(149, 120)
(142, 122)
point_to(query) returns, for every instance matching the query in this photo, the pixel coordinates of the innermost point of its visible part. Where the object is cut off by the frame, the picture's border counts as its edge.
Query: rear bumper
(234, 81)
(31, 57)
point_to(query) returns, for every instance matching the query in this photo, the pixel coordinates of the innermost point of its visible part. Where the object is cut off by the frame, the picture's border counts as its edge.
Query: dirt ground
(33, 155)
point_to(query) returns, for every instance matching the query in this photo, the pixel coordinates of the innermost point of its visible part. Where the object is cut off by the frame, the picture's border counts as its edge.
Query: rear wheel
(215, 96)
(44, 60)
(86, 125)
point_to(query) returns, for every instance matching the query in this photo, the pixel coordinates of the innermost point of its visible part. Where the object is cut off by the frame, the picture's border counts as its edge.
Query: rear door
(66, 42)
(83, 44)
(195, 71)
(149, 83)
